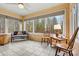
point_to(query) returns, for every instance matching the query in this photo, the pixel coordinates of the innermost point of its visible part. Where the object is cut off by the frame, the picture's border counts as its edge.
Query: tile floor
(26, 48)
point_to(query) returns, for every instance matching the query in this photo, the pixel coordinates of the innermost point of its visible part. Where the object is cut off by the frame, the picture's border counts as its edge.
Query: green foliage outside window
(39, 25)
(29, 26)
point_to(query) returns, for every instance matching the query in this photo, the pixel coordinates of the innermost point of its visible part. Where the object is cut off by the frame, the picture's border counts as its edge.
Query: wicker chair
(67, 48)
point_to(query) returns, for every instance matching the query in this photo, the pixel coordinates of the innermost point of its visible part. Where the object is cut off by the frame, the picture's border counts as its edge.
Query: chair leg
(59, 50)
(47, 41)
(56, 51)
(50, 41)
(64, 54)
(70, 53)
(42, 41)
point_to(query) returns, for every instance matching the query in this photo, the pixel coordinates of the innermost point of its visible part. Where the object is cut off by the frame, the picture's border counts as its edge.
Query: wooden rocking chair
(67, 48)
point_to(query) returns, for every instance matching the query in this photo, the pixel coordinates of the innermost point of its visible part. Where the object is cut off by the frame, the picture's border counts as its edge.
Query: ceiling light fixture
(21, 5)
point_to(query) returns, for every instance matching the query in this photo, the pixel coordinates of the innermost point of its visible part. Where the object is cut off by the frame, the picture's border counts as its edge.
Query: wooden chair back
(46, 34)
(72, 40)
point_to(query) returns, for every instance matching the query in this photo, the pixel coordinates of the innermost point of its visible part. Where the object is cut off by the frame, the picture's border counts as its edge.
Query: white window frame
(64, 25)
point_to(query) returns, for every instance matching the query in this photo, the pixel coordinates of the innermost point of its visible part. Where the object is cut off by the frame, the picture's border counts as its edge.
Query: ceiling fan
(21, 5)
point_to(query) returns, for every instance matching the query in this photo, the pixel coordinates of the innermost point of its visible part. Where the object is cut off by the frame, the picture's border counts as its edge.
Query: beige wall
(36, 37)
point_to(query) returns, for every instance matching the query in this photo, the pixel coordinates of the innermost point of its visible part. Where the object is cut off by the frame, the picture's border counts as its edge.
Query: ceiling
(29, 7)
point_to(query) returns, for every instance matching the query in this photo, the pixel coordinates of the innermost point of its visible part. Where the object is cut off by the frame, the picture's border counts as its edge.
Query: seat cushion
(62, 45)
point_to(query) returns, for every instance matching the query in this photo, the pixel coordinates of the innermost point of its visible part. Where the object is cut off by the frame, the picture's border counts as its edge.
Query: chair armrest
(66, 40)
